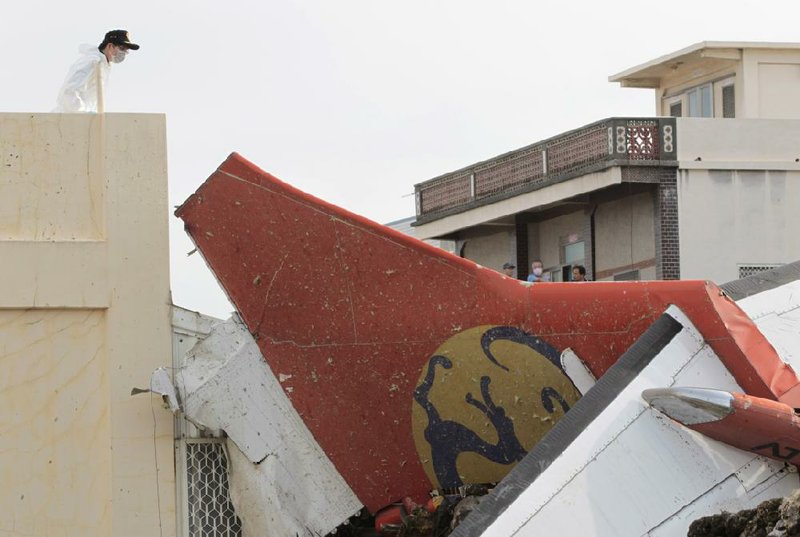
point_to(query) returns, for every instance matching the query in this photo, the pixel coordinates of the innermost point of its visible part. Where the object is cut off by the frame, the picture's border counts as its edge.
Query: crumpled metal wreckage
(364, 367)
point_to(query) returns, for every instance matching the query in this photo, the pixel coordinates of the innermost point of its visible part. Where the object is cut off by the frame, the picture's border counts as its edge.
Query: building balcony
(594, 147)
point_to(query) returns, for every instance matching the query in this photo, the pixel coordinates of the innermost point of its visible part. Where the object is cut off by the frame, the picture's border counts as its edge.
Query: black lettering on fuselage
(775, 451)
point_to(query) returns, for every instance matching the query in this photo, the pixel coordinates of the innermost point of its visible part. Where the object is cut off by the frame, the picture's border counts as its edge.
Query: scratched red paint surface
(352, 310)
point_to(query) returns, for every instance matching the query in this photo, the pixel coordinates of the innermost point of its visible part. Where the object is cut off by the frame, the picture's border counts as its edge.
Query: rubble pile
(437, 518)
(779, 517)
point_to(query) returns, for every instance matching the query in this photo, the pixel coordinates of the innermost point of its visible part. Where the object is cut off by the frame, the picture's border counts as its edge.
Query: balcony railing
(606, 143)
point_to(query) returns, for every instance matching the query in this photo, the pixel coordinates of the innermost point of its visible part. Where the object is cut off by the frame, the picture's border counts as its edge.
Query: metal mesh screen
(210, 510)
(728, 102)
(749, 270)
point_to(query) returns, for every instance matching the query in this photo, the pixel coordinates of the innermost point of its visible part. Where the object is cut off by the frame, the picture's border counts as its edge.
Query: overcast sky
(356, 101)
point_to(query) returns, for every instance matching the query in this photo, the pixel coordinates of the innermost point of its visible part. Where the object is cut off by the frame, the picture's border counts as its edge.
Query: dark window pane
(728, 102)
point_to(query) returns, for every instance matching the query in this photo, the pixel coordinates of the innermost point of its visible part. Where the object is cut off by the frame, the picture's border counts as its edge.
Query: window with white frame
(700, 102)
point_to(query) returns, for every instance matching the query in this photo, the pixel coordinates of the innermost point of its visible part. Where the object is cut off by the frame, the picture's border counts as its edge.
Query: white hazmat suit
(85, 82)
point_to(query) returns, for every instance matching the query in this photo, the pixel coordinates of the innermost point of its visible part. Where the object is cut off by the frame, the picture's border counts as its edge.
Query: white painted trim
(730, 165)
(576, 370)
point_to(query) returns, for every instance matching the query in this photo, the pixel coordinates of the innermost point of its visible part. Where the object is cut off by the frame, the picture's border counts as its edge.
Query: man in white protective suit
(83, 88)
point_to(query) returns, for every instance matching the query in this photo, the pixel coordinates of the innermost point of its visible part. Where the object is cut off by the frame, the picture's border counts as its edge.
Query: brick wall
(667, 238)
(668, 262)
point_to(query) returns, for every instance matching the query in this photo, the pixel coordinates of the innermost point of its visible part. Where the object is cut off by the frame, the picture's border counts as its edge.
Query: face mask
(119, 55)
(537, 271)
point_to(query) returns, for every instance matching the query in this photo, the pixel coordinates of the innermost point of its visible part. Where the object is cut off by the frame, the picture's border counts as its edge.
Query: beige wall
(84, 318)
(733, 217)
(770, 84)
(625, 237)
(489, 248)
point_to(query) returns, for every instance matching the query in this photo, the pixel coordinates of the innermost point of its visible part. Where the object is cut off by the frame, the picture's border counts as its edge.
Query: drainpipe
(591, 241)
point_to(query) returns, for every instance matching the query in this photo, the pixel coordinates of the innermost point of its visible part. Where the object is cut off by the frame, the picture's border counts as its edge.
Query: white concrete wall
(625, 237)
(84, 318)
(778, 86)
(771, 82)
(738, 195)
(738, 143)
(730, 217)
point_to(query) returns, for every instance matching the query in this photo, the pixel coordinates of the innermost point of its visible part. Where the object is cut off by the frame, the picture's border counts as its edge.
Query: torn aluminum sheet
(281, 482)
(161, 383)
(630, 471)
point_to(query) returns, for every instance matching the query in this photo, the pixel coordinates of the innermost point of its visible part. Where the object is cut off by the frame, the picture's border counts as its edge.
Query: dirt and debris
(436, 518)
(779, 517)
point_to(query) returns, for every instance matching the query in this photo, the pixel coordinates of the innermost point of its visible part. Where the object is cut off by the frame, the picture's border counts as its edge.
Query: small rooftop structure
(704, 57)
(722, 79)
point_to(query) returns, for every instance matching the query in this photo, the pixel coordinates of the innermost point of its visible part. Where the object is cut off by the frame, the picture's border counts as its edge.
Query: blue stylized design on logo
(448, 439)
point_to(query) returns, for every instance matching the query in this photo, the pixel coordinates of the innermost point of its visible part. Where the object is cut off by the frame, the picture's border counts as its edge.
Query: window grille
(676, 109)
(209, 508)
(728, 102)
(749, 270)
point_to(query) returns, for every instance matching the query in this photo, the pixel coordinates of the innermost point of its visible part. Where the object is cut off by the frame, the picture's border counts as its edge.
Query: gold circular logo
(483, 400)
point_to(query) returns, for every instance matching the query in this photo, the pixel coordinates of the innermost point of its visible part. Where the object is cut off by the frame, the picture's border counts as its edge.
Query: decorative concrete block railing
(606, 143)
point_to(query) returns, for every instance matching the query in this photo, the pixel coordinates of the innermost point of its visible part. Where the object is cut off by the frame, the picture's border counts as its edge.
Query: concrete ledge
(530, 200)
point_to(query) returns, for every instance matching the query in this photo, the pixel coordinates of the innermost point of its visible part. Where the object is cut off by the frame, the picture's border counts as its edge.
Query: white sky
(356, 101)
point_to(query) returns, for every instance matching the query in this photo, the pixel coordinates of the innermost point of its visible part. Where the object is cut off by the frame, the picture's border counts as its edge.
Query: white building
(708, 188)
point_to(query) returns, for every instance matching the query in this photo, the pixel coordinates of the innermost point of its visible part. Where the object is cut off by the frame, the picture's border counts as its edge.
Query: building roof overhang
(699, 57)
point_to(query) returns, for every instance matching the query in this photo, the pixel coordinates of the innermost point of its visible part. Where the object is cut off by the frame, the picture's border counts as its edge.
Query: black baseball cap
(119, 38)
(508, 265)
